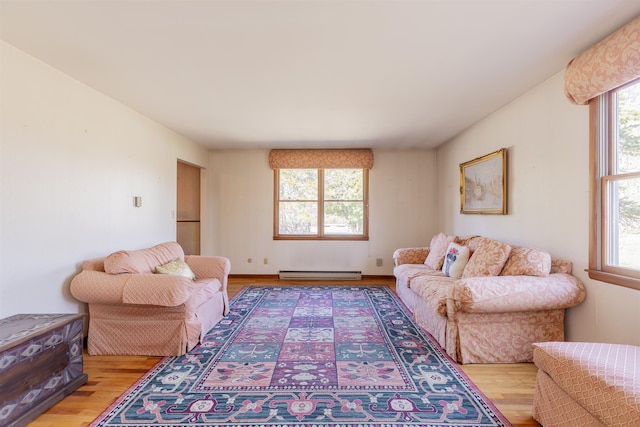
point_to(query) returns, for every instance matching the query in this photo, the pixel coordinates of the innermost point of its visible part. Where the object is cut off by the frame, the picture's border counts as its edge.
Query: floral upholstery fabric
(488, 318)
(527, 262)
(609, 64)
(497, 294)
(321, 158)
(434, 290)
(488, 259)
(438, 250)
(410, 256)
(561, 266)
(406, 272)
(601, 378)
(472, 241)
(517, 293)
(432, 322)
(505, 337)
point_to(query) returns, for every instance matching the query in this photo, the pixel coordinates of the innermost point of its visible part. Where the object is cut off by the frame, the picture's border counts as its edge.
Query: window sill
(356, 238)
(616, 279)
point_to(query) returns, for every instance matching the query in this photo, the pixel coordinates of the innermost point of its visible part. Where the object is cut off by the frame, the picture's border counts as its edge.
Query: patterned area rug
(313, 356)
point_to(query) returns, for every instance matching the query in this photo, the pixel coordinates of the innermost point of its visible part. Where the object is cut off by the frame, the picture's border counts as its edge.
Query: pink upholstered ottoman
(587, 384)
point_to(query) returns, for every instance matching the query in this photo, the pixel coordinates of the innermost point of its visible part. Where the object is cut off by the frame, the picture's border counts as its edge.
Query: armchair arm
(96, 287)
(497, 294)
(212, 266)
(410, 256)
(209, 266)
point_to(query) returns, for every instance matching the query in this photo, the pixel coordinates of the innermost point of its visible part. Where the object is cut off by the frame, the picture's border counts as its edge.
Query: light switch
(137, 201)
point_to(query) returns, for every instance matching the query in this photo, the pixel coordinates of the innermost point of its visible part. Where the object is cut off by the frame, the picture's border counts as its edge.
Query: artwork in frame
(483, 184)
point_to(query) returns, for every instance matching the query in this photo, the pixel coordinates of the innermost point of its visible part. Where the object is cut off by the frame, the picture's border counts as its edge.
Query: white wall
(548, 194)
(71, 162)
(402, 214)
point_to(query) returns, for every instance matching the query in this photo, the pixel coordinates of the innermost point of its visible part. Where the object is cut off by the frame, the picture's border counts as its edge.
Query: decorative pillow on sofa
(177, 267)
(488, 259)
(142, 261)
(527, 262)
(437, 250)
(455, 260)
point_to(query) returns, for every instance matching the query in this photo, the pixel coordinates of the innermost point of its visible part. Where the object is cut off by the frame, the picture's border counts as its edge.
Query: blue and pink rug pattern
(308, 356)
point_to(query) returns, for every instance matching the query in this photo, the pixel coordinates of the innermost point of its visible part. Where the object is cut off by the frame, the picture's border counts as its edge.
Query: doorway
(188, 208)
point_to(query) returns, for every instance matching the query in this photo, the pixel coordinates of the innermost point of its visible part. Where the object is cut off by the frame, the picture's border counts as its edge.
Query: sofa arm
(498, 294)
(410, 256)
(95, 287)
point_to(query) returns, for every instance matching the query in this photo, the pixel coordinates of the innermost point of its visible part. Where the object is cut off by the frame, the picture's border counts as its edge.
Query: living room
(74, 158)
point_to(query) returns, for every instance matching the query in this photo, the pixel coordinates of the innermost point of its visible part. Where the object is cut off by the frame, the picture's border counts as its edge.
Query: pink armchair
(135, 311)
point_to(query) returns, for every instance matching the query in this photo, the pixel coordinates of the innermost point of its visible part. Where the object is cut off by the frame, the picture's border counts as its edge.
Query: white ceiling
(317, 74)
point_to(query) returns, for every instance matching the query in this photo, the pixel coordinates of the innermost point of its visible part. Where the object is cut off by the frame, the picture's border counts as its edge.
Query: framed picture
(483, 184)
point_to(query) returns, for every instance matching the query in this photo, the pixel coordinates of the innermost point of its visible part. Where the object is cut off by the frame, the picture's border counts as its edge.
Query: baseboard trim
(277, 277)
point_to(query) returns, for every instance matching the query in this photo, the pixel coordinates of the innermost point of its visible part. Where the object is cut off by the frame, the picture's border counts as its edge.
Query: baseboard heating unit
(320, 275)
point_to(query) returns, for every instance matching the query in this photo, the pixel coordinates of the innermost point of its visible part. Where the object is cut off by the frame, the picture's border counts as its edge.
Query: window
(321, 204)
(615, 242)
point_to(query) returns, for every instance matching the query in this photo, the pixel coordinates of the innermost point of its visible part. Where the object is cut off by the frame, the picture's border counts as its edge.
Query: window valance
(604, 66)
(299, 159)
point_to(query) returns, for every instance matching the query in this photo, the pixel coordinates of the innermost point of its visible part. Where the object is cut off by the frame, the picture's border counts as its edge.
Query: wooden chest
(40, 363)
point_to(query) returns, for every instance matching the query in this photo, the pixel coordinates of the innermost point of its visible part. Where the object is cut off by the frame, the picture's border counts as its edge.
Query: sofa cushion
(437, 250)
(406, 272)
(177, 267)
(143, 260)
(527, 262)
(205, 290)
(455, 260)
(488, 259)
(600, 377)
(434, 289)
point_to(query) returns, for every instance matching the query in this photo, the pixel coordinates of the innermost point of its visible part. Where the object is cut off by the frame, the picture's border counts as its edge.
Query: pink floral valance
(606, 65)
(297, 159)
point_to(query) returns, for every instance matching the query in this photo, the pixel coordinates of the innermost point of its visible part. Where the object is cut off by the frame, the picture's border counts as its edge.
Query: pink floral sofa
(587, 384)
(154, 301)
(483, 300)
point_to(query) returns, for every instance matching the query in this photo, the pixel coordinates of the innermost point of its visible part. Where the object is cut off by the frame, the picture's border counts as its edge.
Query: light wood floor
(508, 386)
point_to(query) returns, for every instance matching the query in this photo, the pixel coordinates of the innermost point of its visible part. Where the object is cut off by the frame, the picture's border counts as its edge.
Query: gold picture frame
(483, 184)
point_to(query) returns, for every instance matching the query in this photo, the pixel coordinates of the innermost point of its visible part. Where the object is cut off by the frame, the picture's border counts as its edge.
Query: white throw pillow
(455, 260)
